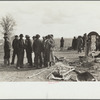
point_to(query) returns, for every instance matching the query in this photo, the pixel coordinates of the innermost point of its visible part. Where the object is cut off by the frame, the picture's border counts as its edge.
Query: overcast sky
(61, 18)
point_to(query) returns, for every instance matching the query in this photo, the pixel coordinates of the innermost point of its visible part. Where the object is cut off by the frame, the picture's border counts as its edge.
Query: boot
(48, 65)
(5, 62)
(8, 62)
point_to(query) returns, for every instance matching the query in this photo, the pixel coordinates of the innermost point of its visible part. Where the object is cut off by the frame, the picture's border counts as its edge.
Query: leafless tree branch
(7, 23)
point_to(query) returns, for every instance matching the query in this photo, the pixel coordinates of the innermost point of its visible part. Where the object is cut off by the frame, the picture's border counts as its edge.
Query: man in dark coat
(47, 51)
(7, 47)
(21, 46)
(15, 48)
(43, 54)
(61, 43)
(38, 48)
(74, 43)
(28, 47)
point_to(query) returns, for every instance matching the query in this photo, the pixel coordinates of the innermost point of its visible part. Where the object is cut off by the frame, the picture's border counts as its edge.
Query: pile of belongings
(61, 72)
(67, 73)
(83, 59)
(61, 59)
(97, 58)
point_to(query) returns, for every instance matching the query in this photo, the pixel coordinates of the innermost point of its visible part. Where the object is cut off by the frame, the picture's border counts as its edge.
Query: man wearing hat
(21, 46)
(15, 48)
(49, 47)
(7, 47)
(46, 51)
(28, 47)
(52, 43)
(38, 48)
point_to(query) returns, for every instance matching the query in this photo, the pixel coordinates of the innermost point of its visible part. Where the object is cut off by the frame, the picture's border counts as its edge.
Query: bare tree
(7, 23)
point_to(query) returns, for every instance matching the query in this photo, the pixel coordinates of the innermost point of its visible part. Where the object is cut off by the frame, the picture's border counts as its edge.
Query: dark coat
(15, 45)
(28, 45)
(37, 46)
(21, 45)
(74, 43)
(7, 47)
(61, 42)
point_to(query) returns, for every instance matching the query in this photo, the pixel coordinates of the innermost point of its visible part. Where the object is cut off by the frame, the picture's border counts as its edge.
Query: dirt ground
(11, 74)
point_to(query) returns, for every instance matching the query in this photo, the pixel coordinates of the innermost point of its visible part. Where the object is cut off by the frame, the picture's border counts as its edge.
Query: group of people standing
(43, 50)
(78, 44)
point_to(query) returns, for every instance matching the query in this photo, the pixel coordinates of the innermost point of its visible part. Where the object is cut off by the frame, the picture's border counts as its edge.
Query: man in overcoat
(21, 47)
(7, 48)
(15, 48)
(38, 48)
(28, 47)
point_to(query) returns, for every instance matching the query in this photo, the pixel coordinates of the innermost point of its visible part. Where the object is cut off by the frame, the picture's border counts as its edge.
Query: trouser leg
(30, 58)
(21, 59)
(36, 60)
(8, 60)
(52, 56)
(8, 57)
(18, 60)
(13, 57)
(27, 55)
(5, 62)
(40, 59)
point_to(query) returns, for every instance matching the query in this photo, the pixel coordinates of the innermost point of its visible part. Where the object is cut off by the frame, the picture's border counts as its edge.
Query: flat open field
(11, 74)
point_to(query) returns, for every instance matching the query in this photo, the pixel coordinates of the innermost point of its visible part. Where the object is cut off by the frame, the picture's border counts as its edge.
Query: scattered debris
(36, 73)
(83, 59)
(85, 76)
(97, 56)
(58, 59)
(70, 48)
(61, 72)
(66, 70)
(61, 59)
(87, 64)
(92, 54)
(75, 63)
(97, 60)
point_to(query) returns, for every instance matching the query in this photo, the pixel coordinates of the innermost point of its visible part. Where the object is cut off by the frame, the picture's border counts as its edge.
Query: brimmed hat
(34, 37)
(16, 35)
(37, 36)
(27, 36)
(46, 37)
(49, 36)
(21, 35)
(79, 36)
